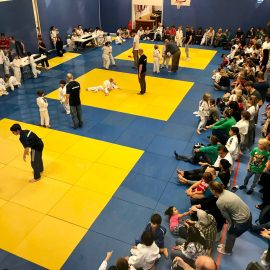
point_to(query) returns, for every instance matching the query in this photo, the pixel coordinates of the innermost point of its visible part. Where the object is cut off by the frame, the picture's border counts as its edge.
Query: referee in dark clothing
(31, 141)
(142, 64)
(74, 101)
(173, 50)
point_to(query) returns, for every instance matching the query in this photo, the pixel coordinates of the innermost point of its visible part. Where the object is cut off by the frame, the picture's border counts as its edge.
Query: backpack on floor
(264, 215)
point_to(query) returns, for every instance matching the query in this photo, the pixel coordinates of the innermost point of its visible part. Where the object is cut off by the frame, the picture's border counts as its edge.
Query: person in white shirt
(107, 86)
(16, 66)
(12, 82)
(2, 57)
(140, 33)
(243, 126)
(111, 56)
(135, 48)
(3, 89)
(159, 32)
(144, 255)
(53, 34)
(100, 36)
(119, 40)
(63, 96)
(79, 31)
(33, 65)
(210, 36)
(216, 75)
(203, 112)
(6, 64)
(43, 109)
(223, 153)
(108, 38)
(157, 58)
(266, 44)
(233, 142)
(179, 37)
(106, 51)
(104, 264)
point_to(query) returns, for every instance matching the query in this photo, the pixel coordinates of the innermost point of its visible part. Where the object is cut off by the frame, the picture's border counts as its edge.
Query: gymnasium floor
(102, 183)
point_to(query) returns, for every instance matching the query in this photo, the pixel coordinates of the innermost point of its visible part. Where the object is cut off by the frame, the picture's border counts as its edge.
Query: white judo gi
(106, 87)
(43, 110)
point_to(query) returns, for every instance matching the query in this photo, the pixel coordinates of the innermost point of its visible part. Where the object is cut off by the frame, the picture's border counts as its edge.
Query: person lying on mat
(106, 87)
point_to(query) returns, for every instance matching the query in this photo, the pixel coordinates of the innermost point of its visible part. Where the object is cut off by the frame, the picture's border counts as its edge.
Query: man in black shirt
(142, 71)
(31, 141)
(73, 99)
(173, 50)
(251, 91)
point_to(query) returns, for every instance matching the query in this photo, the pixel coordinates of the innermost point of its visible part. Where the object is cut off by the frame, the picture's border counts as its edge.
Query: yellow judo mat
(199, 58)
(43, 222)
(161, 99)
(60, 60)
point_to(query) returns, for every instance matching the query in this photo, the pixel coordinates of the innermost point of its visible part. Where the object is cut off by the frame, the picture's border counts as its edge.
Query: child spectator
(108, 38)
(43, 109)
(256, 165)
(158, 231)
(213, 113)
(145, 254)
(243, 125)
(62, 96)
(33, 65)
(233, 142)
(3, 90)
(202, 184)
(203, 112)
(12, 82)
(157, 57)
(174, 219)
(6, 64)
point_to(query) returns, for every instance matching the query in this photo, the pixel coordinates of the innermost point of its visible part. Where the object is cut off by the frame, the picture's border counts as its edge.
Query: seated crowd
(232, 121)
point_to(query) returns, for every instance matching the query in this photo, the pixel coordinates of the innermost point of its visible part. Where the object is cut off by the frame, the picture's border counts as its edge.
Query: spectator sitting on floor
(144, 255)
(191, 248)
(222, 127)
(158, 231)
(202, 153)
(205, 223)
(201, 263)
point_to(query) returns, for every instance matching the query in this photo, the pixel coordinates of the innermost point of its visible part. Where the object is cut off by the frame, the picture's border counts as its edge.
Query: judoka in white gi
(3, 89)
(157, 58)
(179, 37)
(33, 65)
(106, 52)
(43, 109)
(16, 66)
(107, 86)
(11, 81)
(62, 96)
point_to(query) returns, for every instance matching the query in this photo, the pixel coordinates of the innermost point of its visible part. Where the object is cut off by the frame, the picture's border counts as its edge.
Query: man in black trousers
(142, 71)
(74, 101)
(31, 141)
(173, 50)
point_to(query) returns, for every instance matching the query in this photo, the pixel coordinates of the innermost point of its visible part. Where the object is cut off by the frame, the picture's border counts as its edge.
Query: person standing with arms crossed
(74, 101)
(173, 50)
(135, 48)
(142, 71)
(31, 141)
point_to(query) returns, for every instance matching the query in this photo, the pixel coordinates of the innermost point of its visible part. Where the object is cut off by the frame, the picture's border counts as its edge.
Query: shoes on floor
(249, 192)
(242, 187)
(222, 251)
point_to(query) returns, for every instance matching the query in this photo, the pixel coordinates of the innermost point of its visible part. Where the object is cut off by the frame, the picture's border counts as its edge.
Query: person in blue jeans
(158, 232)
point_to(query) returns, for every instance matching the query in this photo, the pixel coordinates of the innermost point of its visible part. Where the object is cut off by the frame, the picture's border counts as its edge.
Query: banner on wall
(181, 2)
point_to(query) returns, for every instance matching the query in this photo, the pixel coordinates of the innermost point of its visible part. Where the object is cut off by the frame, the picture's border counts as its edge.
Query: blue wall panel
(17, 19)
(65, 14)
(114, 14)
(218, 13)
